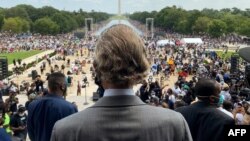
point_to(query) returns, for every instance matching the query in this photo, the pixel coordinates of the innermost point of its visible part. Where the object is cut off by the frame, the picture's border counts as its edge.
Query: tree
(47, 11)
(32, 11)
(65, 21)
(25, 25)
(46, 26)
(1, 20)
(217, 28)
(80, 19)
(16, 12)
(193, 15)
(61, 21)
(201, 25)
(182, 26)
(11, 25)
(71, 21)
(231, 21)
(244, 28)
(16, 25)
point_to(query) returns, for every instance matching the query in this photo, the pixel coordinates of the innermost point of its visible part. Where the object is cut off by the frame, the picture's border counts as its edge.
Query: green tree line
(207, 21)
(46, 20)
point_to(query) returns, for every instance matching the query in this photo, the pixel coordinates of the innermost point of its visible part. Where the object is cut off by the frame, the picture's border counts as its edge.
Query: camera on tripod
(85, 82)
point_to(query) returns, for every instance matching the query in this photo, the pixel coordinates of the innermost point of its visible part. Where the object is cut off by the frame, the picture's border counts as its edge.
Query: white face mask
(21, 114)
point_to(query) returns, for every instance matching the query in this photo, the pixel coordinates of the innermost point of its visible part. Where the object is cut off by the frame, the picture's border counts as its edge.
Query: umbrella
(244, 52)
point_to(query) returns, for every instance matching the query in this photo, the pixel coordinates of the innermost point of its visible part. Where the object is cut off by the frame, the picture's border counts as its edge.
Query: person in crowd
(203, 117)
(18, 123)
(12, 102)
(79, 88)
(62, 68)
(4, 136)
(119, 106)
(176, 89)
(171, 99)
(31, 98)
(42, 69)
(220, 104)
(239, 112)
(19, 61)
(246, 120)
(69, 81)
(227, 107)
(225, 92)
(49, 109)
(39, 83)
(144, 91)
(179, 103)
(14, 62)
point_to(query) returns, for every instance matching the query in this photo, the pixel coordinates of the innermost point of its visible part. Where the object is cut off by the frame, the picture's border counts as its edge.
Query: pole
(86, 101)
(119, 10)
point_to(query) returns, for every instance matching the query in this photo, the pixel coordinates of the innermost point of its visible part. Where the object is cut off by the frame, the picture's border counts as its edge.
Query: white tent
(164, 42)
(191, 41)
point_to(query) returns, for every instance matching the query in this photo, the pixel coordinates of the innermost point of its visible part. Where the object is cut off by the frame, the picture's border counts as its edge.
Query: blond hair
(120, 56)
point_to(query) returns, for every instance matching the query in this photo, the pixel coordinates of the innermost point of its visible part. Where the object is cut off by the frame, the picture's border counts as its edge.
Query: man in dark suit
(121, 62)
(205, 121)
(44, 112)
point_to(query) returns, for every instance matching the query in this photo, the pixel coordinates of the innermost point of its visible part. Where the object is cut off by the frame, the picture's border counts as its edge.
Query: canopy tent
(161, 43)
(191, 41)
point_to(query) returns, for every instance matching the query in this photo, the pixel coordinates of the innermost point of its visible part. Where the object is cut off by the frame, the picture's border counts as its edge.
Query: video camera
(85, 82)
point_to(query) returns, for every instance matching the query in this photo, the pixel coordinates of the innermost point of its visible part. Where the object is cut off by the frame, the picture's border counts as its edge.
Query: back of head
(206, 88)
(57, 83)
(228, 105)
(120, 56)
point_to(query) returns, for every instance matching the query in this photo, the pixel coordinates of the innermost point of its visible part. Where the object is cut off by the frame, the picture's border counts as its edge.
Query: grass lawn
(20, 55)
(223, 55)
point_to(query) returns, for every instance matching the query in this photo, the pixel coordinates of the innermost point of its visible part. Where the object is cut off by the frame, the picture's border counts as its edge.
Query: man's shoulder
(184, 108)
(162, 114)
(85, 118)
(223, 116)
(48, 101)
(72, 121)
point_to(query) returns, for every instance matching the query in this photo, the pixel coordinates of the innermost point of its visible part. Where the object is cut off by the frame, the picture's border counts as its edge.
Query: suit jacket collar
(202, 104)
(119, 101)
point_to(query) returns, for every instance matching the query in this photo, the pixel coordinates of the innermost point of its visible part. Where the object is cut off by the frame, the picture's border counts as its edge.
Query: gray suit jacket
(122, 118)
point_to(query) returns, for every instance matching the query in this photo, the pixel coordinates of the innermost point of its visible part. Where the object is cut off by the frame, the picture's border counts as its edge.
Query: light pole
(119, 10)
(90, 28)
(85, 80)
(150, 24)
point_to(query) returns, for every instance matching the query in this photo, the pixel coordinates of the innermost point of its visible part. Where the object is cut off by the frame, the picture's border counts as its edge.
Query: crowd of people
(189, 65)
(206, 91)
(10, 42)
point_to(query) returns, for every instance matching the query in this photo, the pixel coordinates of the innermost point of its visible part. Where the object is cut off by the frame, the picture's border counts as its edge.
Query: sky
(128, 6)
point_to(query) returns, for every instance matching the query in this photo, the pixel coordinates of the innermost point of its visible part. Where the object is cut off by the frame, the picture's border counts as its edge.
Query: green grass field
(223, 55)
(19, 55)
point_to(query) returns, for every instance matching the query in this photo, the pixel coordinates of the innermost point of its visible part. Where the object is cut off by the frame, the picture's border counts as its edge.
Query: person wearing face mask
(44, 112)
(220, 104)
(4, 136)
(203, 117)
(18, 123)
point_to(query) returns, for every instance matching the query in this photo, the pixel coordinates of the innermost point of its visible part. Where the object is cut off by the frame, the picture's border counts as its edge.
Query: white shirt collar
(117, 92)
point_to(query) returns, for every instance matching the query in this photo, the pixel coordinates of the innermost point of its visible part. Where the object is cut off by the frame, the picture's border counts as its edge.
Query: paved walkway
(72, 91)
(32, 58)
